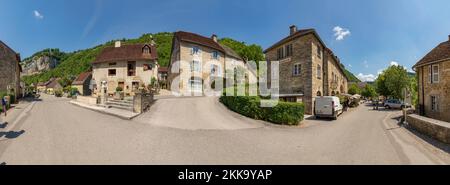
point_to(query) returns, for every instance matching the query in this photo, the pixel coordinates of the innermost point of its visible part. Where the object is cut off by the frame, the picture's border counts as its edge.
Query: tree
(392, 81)
(369, 91)
(354, 89)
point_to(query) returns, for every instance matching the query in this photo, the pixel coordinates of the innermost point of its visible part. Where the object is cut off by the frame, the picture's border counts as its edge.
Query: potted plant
(119, 95)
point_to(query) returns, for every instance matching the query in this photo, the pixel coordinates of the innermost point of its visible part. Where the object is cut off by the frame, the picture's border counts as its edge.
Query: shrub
(58, 93)
(286, 113)
(249, 106)
(119, 89)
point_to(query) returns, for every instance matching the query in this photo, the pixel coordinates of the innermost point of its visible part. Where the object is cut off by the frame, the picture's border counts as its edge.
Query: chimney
(293, 29)
(118, 44)
(214, 37)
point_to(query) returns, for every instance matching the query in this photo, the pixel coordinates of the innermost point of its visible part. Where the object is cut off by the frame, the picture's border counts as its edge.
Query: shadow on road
(31, 99)
(3, 125)
(12, 134)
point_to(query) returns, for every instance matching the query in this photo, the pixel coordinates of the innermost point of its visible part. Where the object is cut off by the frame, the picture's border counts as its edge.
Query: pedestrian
(4, 104)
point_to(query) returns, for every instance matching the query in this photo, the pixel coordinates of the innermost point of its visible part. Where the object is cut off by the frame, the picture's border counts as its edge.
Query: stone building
(197, 60)
(308, 68)
(82, 83)
(433, 72)
(9, 70)
(129, 66)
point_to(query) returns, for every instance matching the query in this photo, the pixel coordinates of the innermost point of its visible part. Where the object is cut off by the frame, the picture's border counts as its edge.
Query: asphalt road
(53, 131)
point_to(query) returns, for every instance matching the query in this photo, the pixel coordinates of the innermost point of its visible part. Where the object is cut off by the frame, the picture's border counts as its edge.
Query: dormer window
(146, 50)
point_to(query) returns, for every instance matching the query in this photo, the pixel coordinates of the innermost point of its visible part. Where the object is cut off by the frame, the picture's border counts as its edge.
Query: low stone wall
(142, 101)
(87, 100)
(439, 130)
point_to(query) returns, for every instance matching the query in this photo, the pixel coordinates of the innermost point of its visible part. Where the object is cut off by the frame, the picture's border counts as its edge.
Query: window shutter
(430, 73)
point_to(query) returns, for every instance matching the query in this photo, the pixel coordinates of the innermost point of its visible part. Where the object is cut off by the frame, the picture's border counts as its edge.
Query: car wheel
(402, 107)
(387, 107)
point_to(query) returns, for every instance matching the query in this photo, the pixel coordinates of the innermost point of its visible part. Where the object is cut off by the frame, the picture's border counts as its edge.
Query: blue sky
(374, 33)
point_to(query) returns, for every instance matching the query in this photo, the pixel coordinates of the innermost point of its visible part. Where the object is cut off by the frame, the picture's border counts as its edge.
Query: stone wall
(88, 100)
(142, 101)
(440, 90)
(10, 71)
(439, 130)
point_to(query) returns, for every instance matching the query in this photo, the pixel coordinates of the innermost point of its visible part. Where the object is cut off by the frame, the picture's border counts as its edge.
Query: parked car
(395, 104)
(327, 106)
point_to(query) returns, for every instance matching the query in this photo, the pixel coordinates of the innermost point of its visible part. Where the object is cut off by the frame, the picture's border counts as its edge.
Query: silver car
(395, 104)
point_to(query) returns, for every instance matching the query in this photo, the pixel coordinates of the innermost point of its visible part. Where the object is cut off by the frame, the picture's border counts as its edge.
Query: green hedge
(284, 113)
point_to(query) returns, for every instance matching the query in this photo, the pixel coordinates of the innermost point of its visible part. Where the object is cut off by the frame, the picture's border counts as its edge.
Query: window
(214, 70)
(435, 73)
(319, 72)
(319, 51)
(112, 64)
(111, 72)
(148, 67)
(195, 50)
(288, 49)
(333, 77)
(195, 66)
(434, 103)
(280, 53)
(296, 70)
(215, 55)
(131, 68)
(146, 50)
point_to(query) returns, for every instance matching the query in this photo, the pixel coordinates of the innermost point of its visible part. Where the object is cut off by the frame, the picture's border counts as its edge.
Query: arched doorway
(333, 93)
(319, 93)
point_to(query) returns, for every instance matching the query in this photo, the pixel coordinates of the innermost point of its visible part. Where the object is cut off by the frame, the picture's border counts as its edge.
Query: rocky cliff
(39, 64)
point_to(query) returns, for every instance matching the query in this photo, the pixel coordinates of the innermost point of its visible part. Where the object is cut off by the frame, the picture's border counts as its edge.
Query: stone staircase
(126, 104)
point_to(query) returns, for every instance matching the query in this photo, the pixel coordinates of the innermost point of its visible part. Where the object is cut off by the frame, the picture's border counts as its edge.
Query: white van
(327, 106)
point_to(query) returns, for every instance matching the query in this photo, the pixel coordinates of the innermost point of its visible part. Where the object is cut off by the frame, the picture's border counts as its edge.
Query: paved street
(53, 131)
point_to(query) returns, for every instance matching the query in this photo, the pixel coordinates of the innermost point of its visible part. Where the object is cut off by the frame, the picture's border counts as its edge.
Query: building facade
(197, 60)
(307, 69)
(434, 83)
(130, 67)
(9, 70)
(82, 83)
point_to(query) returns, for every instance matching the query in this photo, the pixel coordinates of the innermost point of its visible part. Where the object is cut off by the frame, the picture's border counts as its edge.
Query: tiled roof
(198, 39)
(293, 36)
(52, 83)
(440, 52)
(126, 52)
(81, 78)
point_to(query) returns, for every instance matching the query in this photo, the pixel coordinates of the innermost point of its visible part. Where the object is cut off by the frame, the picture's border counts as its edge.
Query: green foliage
(369, 91)
(153, 81)
(354, 89)
(283, 113)
(392, 81)
(251, 52)
(58, 93)
(50, 52)
(351, 77)
(119, 89)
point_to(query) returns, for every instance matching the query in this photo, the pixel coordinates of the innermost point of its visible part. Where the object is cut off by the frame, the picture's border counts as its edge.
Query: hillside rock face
(39, 64)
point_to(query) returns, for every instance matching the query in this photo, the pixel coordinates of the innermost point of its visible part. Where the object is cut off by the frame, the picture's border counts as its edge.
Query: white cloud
(394, 63)
(38, 15)
(366, 77)
(340, 33)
